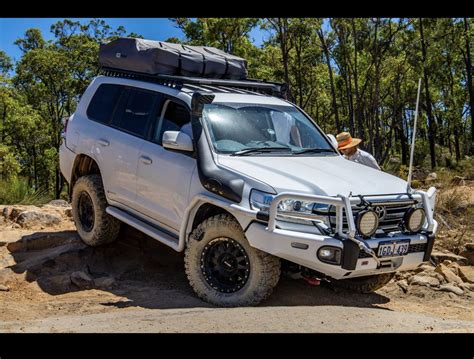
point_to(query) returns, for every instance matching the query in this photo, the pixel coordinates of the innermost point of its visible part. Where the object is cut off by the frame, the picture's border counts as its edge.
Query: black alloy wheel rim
(86, 211)
(225, 265)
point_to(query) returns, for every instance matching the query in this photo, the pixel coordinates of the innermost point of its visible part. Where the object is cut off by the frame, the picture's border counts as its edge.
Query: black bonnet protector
(213, 178)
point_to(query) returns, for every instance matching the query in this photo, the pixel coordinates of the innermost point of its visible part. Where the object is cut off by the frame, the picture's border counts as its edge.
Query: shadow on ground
(146, 272)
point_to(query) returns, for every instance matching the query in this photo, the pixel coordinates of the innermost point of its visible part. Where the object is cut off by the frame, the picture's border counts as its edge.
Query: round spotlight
(414, 219)
(367, 223)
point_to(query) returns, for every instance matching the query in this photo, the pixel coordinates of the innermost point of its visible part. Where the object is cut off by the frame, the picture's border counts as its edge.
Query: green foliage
(356, 74)
(19, 191)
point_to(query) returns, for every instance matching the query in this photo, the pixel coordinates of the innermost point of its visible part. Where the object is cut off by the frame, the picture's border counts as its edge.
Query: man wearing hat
(350, 149)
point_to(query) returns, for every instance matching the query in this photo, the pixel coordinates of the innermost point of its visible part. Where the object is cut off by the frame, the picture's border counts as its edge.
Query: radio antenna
(413, 136)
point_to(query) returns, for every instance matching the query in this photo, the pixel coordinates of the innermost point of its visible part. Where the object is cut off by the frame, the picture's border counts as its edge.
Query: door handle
(146, 160)
(103, 142)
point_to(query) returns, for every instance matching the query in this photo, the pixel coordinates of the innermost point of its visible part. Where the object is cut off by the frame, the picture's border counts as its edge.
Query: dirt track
(151, 294)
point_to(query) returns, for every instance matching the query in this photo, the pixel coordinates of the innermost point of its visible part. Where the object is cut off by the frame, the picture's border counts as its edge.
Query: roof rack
(269, 88)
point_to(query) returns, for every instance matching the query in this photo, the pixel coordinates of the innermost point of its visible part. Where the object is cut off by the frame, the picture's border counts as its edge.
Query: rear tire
(94, 225)
(365, 285)
(223, 269)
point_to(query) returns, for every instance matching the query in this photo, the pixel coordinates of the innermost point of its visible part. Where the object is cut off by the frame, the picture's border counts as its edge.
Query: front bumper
(359, 256)
(301, 248)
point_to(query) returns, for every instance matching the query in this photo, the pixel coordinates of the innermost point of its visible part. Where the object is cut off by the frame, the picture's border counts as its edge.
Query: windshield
(242, 128)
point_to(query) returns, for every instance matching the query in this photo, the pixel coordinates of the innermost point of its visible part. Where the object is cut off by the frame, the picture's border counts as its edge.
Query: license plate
(393, 248)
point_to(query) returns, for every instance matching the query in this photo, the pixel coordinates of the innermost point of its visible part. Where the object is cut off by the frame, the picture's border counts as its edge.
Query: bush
(17, 191)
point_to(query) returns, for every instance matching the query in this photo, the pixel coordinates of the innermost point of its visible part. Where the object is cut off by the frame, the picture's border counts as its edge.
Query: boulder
(439, 257)
(56, 284)
(423, 281)
(469, 247)
(30, 218)
(403, 284)
(4, 288)
(104, 283)
(6, 212)
(469, 255)
(448, 274)
(82, 280)
(58, 203)
(467, 274)
(451, 288)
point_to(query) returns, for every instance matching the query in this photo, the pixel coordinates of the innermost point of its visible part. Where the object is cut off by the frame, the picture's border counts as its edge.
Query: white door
(164, 176)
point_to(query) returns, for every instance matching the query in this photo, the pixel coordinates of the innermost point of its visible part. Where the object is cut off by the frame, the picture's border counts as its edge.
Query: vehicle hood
(319, 175)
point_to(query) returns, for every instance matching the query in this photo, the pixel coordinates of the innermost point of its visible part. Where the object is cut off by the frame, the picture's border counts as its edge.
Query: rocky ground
(51, 282)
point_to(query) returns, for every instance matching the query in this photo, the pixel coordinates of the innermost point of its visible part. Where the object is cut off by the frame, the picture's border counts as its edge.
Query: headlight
(414, 219)
(367, 222)
(290, 210)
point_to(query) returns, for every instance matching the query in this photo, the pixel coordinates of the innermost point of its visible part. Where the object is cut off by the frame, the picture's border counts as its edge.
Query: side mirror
(333, 140)
(177, 140)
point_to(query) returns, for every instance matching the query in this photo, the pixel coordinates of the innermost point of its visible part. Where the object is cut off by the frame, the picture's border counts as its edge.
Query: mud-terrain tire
(214, 239)
(99, 227)
(365, 285)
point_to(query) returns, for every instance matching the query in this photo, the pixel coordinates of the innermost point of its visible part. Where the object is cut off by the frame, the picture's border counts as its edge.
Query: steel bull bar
(342, 202)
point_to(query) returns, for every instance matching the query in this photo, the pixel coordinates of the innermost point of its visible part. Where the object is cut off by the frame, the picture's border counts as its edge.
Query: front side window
(241, 127)
(176, 117)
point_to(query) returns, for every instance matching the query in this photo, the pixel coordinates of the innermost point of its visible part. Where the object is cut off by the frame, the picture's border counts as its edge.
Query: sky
(151, 28)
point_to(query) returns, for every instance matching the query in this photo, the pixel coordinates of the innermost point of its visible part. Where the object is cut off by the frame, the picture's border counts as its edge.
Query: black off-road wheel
(93, 224)
(223, 269)
(365, 285)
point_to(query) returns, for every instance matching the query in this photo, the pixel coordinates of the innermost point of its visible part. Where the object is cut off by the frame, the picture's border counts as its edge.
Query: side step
(144, 227)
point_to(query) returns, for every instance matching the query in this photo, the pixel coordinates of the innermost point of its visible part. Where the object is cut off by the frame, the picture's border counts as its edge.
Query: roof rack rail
(260, 86)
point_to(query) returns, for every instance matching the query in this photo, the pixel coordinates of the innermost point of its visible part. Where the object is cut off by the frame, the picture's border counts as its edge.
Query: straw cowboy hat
(345, 140)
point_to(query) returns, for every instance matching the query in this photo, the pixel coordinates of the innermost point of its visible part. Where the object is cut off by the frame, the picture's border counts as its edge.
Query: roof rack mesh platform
(259, 86)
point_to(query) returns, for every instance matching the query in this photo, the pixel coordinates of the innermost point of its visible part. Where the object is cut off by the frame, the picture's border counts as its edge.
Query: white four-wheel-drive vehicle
(241, 180)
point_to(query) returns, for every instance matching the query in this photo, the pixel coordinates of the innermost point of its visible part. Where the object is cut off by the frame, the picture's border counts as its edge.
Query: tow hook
(312, 280)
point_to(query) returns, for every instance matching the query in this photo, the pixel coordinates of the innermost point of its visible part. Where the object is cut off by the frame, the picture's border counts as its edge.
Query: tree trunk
(431, 124)
(331, 79)
(469, 84)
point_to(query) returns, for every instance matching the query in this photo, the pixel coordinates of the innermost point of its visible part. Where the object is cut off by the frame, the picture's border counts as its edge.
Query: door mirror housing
(177, 140)
(333, 140)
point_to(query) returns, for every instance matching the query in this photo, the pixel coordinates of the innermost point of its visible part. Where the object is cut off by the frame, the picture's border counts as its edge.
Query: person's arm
(372, 162)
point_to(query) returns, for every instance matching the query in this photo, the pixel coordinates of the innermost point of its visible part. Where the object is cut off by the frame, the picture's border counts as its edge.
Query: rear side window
(102, 105)
(134, 116)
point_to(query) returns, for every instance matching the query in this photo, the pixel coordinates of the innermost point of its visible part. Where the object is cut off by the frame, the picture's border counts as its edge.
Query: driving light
(367, 223)
(414, 219)
(330, 255)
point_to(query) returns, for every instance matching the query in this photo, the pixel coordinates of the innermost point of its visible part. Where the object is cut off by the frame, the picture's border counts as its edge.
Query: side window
(175, 118)
(135, 113)
(103, 103)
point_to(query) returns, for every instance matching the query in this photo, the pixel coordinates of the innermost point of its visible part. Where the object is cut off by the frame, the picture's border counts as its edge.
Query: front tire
(365, 285)
(223, 269)
(95, 226)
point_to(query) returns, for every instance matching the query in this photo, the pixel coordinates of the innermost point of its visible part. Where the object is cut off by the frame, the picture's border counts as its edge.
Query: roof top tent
(175, 64)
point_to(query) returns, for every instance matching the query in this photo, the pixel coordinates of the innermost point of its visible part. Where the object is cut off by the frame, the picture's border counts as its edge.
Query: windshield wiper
(259, 150)
(313, 150)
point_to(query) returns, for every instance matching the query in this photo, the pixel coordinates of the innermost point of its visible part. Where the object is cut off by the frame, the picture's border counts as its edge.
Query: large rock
(458, 181)
(448, 274)
(466, 273)
(469, 257)
(58, 203)
(104, 283)
(56, 284)
(4, 288)
(424, 281)
(451, 288)
(31, 218)
(82, 280)
(439, 257)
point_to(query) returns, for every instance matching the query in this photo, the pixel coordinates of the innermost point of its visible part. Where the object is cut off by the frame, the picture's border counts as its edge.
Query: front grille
(413, 248)
(394, 213)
